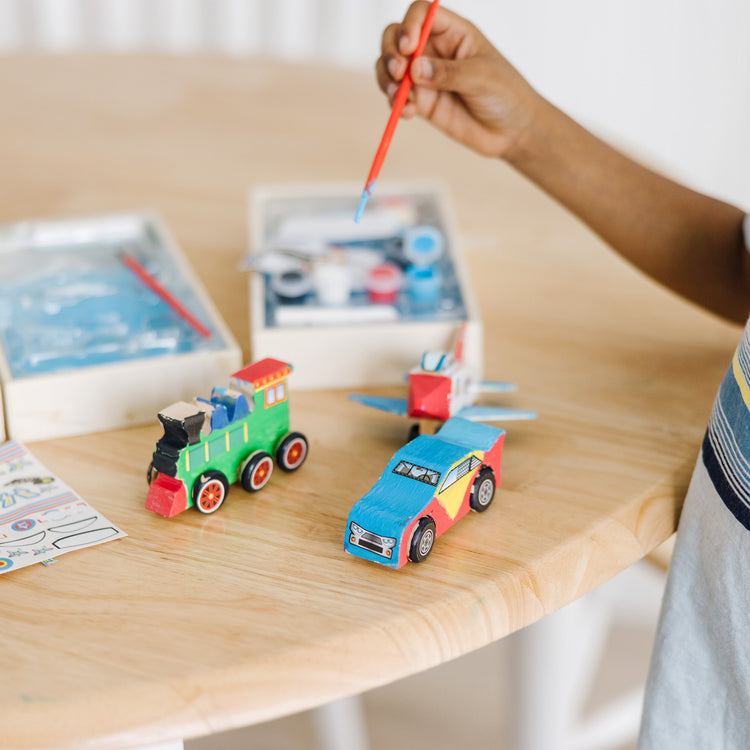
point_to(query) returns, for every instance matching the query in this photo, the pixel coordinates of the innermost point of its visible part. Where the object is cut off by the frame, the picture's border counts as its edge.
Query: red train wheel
(292, 451)
(256, 471)
(210, 491)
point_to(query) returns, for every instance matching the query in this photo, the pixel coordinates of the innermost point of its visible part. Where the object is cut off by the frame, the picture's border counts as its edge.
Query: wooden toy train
(209, 444)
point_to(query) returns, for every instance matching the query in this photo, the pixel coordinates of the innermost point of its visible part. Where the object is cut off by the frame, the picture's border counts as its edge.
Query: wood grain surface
(199, 624)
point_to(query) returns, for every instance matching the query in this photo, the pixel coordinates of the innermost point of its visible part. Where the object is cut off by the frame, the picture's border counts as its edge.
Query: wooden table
(198, 624)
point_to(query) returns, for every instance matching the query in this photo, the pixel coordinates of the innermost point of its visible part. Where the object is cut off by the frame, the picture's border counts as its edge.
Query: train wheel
(292, 452)
(256, 471)
(210, 491)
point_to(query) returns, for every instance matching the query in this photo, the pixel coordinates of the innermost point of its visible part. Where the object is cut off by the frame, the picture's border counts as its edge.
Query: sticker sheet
(40, 516)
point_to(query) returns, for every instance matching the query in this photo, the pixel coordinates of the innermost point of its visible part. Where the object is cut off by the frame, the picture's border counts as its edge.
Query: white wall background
(669, 79)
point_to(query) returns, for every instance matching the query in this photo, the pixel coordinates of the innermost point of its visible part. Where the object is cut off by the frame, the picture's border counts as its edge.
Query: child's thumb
(459, 76)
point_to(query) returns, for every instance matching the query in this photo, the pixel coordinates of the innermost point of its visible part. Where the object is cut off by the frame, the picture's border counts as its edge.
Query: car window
(461, 470)
(420, 473)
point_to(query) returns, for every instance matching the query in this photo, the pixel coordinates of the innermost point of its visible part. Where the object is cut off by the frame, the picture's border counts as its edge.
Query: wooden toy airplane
(442, 386)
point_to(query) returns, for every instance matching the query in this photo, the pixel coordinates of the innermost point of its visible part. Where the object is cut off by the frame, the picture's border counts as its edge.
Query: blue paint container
(423, 245)
(424, 284)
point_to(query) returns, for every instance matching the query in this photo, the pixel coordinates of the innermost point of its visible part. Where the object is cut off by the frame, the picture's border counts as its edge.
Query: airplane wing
(493, 386)
(493, 414)
(384, 403)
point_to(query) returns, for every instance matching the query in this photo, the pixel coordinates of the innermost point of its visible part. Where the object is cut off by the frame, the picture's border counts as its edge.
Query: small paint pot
(291, 286)
(423, 284)
(383, 283)
(360, 260)
(423, 245)
(333, 284)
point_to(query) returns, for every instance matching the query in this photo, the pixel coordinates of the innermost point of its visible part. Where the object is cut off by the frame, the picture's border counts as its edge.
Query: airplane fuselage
(440, 395)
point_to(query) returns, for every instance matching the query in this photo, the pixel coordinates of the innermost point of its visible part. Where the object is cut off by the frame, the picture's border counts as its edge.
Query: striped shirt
(726, 446)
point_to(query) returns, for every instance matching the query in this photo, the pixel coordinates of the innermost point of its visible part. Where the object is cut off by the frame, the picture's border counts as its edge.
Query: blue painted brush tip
(366, 193)
(358, 215)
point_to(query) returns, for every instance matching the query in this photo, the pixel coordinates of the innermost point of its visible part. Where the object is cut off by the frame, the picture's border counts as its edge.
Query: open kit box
(102, 323)
(353, 304)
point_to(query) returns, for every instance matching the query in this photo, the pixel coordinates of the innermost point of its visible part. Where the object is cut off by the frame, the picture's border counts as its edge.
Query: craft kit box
(354, 304)
(86, 343)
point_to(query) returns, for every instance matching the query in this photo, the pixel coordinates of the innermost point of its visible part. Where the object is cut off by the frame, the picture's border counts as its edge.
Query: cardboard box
(356, 341)
(85, 344)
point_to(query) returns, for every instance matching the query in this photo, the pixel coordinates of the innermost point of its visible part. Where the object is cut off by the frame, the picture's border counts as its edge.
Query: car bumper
(371, 546)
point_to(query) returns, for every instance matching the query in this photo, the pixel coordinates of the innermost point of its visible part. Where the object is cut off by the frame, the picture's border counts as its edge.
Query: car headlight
(358, 530)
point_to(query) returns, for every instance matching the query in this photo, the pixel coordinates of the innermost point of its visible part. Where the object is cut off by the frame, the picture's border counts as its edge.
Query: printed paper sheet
(40, 516)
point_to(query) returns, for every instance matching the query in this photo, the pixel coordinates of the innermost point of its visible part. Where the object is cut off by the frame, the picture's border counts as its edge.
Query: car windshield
(420, 473)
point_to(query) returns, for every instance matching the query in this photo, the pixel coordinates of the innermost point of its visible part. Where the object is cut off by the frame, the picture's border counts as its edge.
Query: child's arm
(464, 86)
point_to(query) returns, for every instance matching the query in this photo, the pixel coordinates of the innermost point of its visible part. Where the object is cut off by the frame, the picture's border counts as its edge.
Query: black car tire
(483, 490)
(422, 540)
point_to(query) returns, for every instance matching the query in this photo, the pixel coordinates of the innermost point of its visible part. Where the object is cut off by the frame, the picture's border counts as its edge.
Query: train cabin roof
(263, 372)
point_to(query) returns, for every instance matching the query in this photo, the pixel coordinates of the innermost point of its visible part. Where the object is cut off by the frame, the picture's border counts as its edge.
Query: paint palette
(78, 325)
(368, 293)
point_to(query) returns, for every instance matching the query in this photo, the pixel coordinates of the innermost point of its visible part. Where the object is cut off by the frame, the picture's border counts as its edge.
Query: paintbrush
(139, 270)
(398, 105)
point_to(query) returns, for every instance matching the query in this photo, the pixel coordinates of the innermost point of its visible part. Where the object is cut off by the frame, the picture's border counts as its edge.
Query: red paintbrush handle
(401, 95)
(155, 286)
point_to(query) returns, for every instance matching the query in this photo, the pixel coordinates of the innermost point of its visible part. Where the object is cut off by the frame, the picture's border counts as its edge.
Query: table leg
(552, 662)
(341, 725)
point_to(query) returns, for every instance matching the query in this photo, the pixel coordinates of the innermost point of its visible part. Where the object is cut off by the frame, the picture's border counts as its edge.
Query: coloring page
(40, 516)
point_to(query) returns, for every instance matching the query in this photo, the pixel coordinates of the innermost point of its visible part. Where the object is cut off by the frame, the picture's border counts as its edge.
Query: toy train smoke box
(102, 322)
(353, 304)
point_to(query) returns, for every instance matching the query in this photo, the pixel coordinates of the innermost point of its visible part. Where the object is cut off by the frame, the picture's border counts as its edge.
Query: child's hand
(462, 84)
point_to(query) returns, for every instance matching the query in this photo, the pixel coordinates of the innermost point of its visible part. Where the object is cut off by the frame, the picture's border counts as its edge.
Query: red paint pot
(383, 283)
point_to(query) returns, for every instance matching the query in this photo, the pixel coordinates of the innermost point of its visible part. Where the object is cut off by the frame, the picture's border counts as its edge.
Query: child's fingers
(386, 81)
(409, 110)
(389, 40)
(391, 63)
(392, 88)
(446, 26)
(411, 27)
(382, 76)
(460, 76)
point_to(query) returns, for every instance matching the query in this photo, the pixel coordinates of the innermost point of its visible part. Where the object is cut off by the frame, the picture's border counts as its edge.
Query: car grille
(373, 542)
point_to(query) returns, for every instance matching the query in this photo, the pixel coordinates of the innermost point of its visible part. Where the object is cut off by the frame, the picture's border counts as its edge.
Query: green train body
(208, 444)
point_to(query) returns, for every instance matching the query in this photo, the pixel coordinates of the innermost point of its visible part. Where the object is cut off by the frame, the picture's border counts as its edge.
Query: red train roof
(263, 371)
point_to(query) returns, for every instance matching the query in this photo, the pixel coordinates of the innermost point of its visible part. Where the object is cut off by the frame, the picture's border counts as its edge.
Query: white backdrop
(668, 79)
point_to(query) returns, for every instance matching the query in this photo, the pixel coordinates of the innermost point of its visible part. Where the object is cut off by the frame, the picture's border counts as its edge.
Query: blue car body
(430, 476)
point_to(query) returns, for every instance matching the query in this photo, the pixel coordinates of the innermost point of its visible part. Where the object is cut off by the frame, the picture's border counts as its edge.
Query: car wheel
(210, 491)
(483, 490)
(422, 540)
(292, 451)
(256, 471)
(413, 432)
